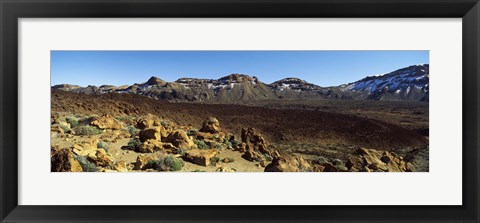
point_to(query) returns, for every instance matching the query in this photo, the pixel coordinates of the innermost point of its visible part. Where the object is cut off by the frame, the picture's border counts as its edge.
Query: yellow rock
(120, 166)
(142, 161)
(107, 122)
(150, 133)
(200, 156)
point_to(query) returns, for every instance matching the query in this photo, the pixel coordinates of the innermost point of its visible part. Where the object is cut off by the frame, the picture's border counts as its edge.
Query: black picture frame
(12, 10)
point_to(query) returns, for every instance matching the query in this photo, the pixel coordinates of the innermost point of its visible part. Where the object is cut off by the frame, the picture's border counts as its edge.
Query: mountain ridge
(408, 83)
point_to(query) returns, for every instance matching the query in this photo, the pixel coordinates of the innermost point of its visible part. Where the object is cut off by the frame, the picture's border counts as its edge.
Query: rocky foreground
(150, 143)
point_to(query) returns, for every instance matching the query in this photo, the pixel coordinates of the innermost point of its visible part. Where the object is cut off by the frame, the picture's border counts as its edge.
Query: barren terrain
(324, 133)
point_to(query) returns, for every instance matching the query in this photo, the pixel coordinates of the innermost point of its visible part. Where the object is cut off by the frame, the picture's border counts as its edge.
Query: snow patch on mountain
(413, 76)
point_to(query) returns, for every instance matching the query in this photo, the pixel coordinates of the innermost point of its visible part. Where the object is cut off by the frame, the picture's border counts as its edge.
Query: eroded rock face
(62, 160)
(211, 125)
(254, 145)
(107, 122)
(200, 156)
(370, 160)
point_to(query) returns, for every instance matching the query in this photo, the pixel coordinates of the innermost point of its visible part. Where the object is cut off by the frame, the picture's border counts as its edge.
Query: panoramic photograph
(239, 111)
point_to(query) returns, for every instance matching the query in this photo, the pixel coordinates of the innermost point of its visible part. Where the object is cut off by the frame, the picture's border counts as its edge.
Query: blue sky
(324, 68)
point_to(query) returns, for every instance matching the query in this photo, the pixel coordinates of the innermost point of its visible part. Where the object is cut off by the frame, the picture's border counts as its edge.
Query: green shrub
(167, 163)
(87, 130)
(201, 144)
(228, 143)
(124, 118)
(268, 157)
(64, 127)
(337, 162)
(152, 164)
(181, 151)
(87, 166)
(342, 168)
(133, 144)
(132, 130)
(87, 120)
(322, 160)
(103, 145)
(235, 143)
(72, 121)
(214, 160)
(165, 123)
(192, 132)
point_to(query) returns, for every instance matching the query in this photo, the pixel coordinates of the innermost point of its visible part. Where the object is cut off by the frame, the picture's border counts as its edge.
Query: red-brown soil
(278, 125)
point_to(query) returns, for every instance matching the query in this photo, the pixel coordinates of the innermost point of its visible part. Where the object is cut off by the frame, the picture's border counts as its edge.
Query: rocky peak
(192, 81)
(238, 78)
(290, 80)
(294, 84)
(155, 81)
(65, 87)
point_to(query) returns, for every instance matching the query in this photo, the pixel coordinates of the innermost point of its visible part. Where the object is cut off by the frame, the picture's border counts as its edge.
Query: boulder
(57, 129)
(228, 160)
(367, 160)
(218, 137)
(150, 133)
(291, 164)
(142, 161)
(180, 139)
(252, 155)
(200, 156)
(146, 122)
(111, 135)
(101, 158)
(225, 169)
(211, 125)
(150, 146)
(85, 148)
(281, 164)
(120, 166)
(56, 117)
(328, 167)
(62, 160)
(254, 145)
(107, 122)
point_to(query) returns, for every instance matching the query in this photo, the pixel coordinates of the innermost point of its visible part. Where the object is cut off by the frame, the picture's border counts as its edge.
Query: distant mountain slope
(410, 83)
(295, 88)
